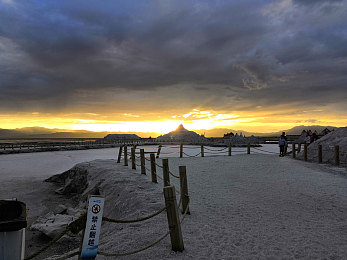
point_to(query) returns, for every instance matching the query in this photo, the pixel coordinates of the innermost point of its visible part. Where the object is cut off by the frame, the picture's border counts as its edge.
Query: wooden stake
(320, 154)
(153, 168)
(181, 150)
(166, 174)
(337, 155)
(119, 154)
(202, 151)
(184, 189)
(125, 155)
(143, 162)
(229, 151)
(133, 162)
(173, 219)
(249, 148)
(293, 149)
(158, 152)
(305, 152)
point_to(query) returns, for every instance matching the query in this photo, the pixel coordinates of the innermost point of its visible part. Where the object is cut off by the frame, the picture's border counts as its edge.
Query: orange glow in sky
(197, 120)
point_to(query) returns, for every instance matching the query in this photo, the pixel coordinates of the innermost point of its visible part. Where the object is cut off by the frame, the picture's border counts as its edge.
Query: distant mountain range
(219, 132)
(41, 132)
(45, 133)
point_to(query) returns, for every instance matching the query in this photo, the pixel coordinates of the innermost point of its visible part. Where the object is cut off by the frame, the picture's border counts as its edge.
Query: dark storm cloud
(249, 51)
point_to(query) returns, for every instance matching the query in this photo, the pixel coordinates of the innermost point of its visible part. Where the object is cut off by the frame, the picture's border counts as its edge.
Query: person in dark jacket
(282, 144)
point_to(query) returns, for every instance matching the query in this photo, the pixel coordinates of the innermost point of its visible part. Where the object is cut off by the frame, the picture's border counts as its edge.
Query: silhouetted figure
(313, 138)
(282, 144)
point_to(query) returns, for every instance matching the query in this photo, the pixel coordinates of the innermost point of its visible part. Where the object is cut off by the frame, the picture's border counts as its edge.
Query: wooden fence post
(173, 219)
(305, 152)
(133, 162)
(293, 149)
(249, 148)
(320, 154)
(181, 150)
(158, 152)
(153, 168)
(166, 174)
(125, 155)
(337, 155)
(119, 154)
(143, 162)
(229, 151)
(202, 151)
(184, 189)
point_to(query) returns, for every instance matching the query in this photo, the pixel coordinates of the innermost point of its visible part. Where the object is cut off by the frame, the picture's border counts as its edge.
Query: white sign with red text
(93, 227)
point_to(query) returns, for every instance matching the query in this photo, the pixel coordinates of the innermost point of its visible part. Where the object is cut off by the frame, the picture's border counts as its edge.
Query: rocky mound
(328, 142)
(128, 195)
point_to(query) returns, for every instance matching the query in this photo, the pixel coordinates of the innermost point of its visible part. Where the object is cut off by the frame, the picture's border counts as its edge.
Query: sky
(147, 66)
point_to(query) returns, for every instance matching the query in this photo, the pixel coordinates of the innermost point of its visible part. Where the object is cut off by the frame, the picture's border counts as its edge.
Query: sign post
(93, 227)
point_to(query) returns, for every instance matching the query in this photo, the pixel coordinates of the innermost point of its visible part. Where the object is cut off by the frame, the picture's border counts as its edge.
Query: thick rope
(173, 175)
(223, 149)
(222, 152)
(169, 153)
(191, 155)
(66, 256)
(48, 245)
(138, 250)
(133, 220)
(75, 226)
(264, 150)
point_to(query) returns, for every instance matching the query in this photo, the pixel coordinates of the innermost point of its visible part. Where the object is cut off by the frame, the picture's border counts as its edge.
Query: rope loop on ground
(138, 250)
(133, 220)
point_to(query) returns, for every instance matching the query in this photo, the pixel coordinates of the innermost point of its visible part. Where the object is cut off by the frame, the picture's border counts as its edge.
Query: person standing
(282, 144)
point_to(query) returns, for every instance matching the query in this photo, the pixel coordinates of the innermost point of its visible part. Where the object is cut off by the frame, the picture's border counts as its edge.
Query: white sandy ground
(243, 207)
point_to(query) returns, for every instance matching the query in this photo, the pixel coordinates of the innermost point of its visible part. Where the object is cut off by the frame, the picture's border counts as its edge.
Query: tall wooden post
(184, 189)
(305, 152)
(320, 154)
(119, 154)
(249, 148)
(202, 151)
(173, 219)
(181, 150)
(153, 168)
(158, 152)
(125, 156)
(293, 149)
(143, 162)
(337, 155)
(229, 151)
(133, 162)
(166, 174)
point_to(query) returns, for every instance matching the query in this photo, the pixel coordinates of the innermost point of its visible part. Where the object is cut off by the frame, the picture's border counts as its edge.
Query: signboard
(93, 226)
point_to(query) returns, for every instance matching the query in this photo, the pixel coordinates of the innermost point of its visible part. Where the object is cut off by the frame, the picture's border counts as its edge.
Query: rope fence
(210, 151)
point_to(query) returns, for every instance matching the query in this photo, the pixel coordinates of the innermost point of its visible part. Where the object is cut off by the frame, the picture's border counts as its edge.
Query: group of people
(283, 141)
